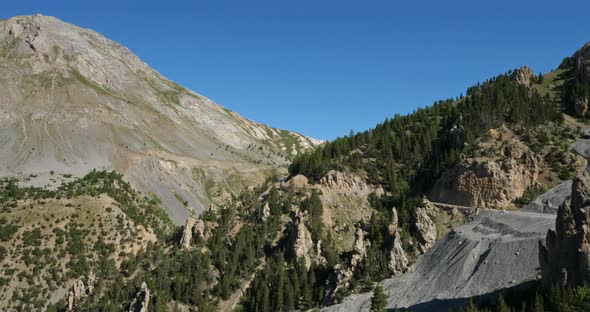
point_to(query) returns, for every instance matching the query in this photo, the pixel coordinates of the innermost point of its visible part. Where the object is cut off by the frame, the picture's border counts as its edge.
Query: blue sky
(325, 67)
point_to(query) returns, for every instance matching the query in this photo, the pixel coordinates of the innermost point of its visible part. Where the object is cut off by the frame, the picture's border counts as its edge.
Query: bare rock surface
(346, 182)
(524, 76)
(359, 248)
(425, 227)
(398, 261)
(141, 301)
(80, 290)
(303, 245)
(565, 260)
(490, 182)
(550, 201)
(187, 233)
(72, 100)
(494, 251)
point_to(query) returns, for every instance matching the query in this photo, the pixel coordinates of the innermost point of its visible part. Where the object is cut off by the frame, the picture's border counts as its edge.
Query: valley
(121, 190)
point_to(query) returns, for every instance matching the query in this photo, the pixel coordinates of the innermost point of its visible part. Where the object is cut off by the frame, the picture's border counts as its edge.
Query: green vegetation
(379, 300)
(555, 299)
(529, 195)
(144, 210)
(78, 76)
(415, 149)
(7, 230)
(8, 46)
(576, 87)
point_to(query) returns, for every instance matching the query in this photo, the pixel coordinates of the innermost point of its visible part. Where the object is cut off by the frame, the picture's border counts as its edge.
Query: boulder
(565, 260)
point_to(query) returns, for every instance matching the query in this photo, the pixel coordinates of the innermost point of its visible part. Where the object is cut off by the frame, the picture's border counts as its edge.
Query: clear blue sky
(324, 67)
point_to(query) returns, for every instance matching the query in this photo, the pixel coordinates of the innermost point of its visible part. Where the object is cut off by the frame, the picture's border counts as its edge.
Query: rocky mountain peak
(87, 102)
(45, 43)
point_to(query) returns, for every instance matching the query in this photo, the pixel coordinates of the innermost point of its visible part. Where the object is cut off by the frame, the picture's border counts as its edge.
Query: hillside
(72, 100)
(123, 191)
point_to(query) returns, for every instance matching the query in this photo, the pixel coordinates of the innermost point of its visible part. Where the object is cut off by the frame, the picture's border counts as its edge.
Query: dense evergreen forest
(407, 153)
(576, 89)
(555, 299)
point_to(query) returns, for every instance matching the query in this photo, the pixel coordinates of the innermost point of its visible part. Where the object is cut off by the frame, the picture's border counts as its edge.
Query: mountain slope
(72, 100)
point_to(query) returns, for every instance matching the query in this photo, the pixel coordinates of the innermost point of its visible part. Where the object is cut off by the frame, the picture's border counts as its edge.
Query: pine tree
(471, 307)
(501, 305)
(538, 304)
(379, 300)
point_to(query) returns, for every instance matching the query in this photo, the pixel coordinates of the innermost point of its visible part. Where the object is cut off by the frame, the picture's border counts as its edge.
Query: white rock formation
(303, 244)
(141, 301)
(426, 229)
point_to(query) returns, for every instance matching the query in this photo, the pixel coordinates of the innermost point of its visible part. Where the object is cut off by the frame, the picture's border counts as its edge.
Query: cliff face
(493, 181)
(565, 261)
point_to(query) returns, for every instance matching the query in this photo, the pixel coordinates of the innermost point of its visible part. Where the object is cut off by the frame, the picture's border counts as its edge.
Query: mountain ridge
(73, 101)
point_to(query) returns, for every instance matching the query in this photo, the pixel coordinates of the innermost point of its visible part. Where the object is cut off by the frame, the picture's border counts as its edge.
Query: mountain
(446, 207)
(72, 100)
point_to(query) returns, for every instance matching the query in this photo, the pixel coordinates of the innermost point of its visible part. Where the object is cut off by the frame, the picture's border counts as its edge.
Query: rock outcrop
(341, 275)
(347, 182)
(338, 280)
(490, 181)
(141, 301)
(192, 226)
(303, 244)
(319, 258)
(581, 106)
(265, 212)
(565, 261)
(80, 290)
(425, 228)
(298, 182)
(524, 76)
(187, 233)
(398, 261)
(359, 248)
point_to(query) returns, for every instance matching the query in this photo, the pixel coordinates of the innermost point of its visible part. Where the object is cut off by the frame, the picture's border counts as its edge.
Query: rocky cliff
(565, 260)
(492, 180)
